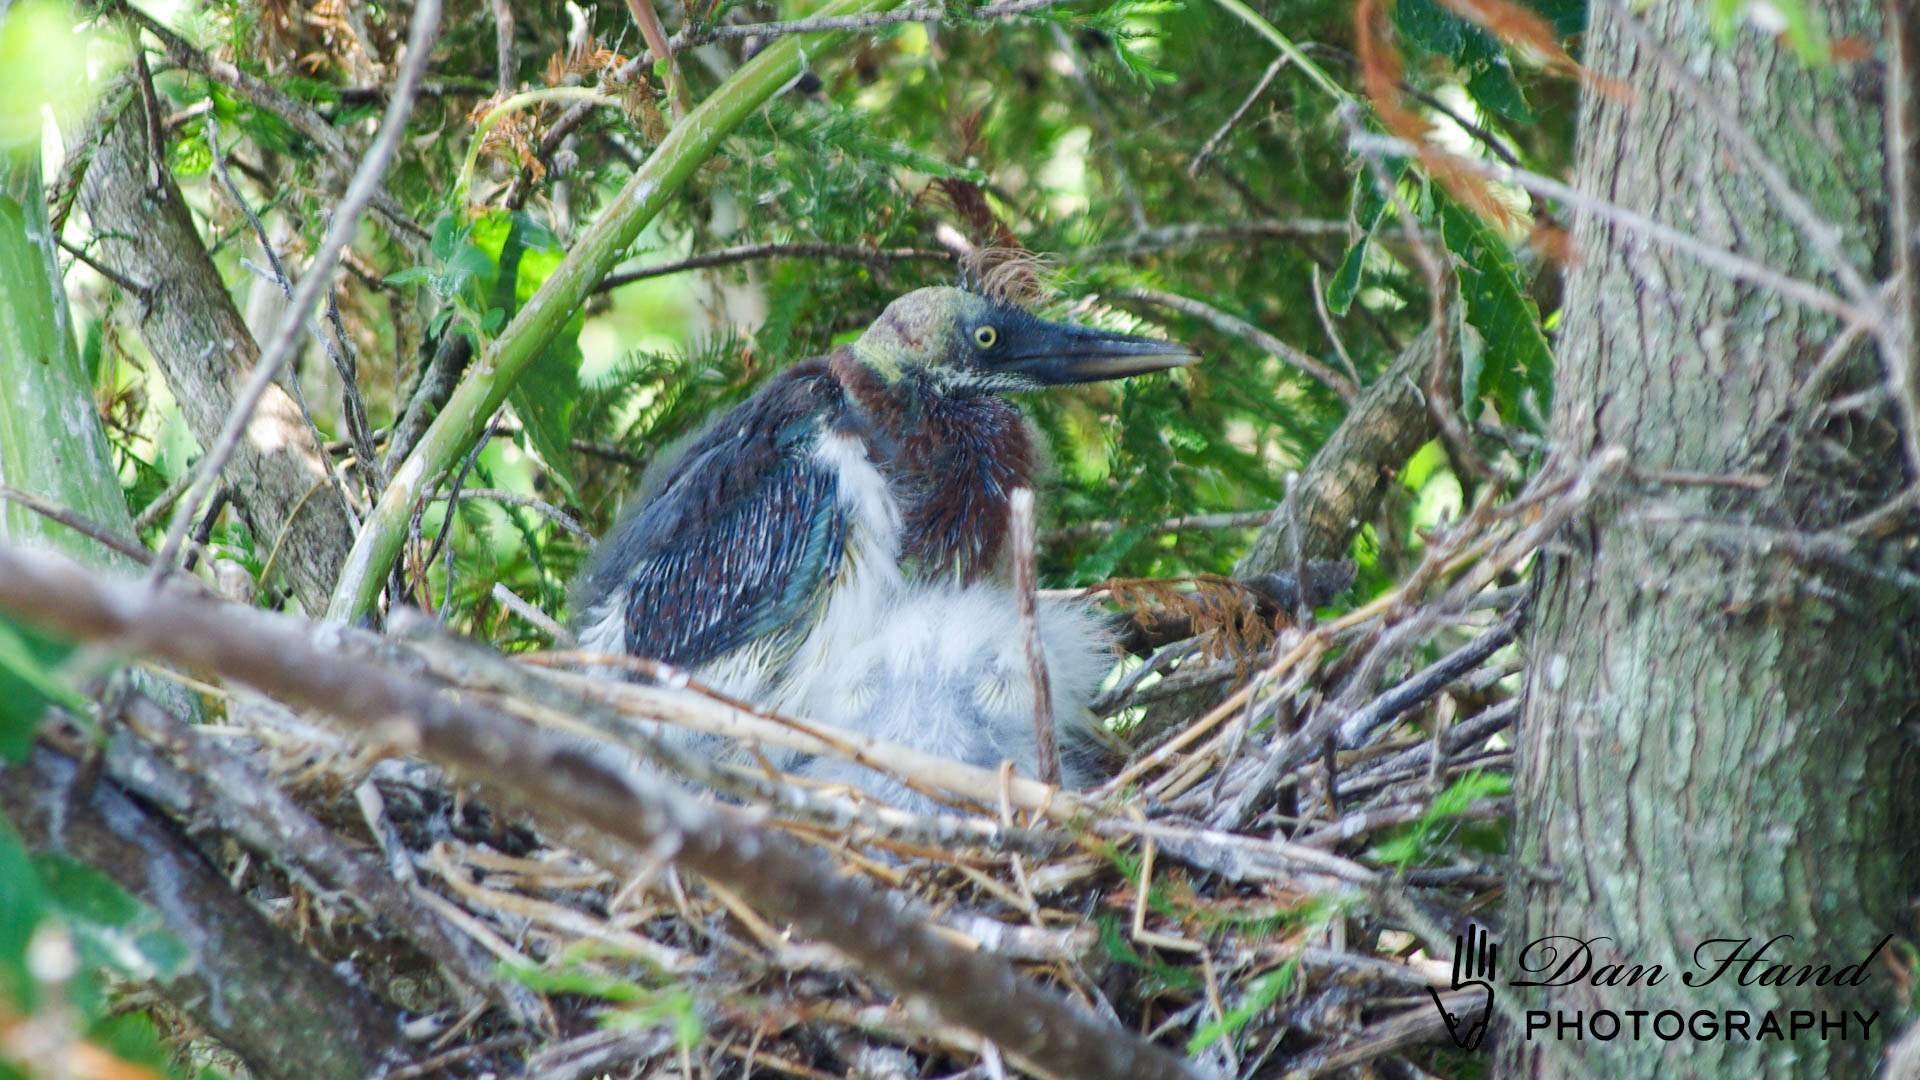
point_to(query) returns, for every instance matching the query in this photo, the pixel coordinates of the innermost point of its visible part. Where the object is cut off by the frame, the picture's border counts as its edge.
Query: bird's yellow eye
(985, 336)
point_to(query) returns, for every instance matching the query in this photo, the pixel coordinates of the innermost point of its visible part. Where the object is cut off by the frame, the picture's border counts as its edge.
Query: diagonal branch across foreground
(298, 664)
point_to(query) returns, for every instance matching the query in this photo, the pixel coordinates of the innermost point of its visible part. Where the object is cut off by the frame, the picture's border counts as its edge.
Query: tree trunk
(1711, 745)
(193, 329)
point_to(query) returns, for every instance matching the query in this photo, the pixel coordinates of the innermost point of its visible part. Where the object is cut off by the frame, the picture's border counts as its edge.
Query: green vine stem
(485, 387)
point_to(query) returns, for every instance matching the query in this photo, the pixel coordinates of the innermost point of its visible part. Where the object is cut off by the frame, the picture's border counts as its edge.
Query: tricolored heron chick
(859, 501)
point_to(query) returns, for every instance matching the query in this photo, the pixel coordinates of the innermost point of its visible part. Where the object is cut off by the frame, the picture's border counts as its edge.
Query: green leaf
(312, 91)
(1157, 977)
(133, 1038)
(447, 233)
(1099, 566)
(1400, 850)
(93, 348)
(1369, 205)
(190, 156)
(412, 275)
(29, 685)
(641, 1006)
(24, 900)
(1412, 843)
(1569, 17)
(1511, 356)
(521, 253)
(1260, 995)
(545, 399)
(674, 1007)
(850, 132)
(1430, 27)
(1479, 55)
(1490, 78)
(469, 266)
(111, 928)
(1114, 941)
(1466, 791)
(1803, 31)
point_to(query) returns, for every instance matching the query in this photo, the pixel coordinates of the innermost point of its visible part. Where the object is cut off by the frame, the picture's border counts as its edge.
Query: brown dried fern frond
(1380, 73)
(1229, 617)
(513, 132)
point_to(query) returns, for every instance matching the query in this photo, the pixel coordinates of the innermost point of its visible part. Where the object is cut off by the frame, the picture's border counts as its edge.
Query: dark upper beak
(1055, 354)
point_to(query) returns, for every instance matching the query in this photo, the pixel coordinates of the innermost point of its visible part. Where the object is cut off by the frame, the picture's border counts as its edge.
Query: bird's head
(966, 342)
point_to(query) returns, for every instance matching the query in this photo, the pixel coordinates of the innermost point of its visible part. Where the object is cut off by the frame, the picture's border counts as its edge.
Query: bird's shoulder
(779, 422)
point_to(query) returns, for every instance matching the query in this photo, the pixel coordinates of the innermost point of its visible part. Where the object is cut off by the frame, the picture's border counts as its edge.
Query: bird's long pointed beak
(1057, 354)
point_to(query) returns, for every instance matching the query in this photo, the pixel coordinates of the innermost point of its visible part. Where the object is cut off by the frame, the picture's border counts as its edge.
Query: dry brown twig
(1020, 524)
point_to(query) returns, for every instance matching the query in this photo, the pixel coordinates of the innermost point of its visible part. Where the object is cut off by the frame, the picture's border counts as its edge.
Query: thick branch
(1347, 478)
(277, 655)
(205, 351)
(285, 1013)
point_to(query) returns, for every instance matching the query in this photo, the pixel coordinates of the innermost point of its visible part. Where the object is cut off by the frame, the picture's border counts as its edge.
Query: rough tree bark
(286, 1014)
(1711, 745)
(1345, 481)
(193, 329)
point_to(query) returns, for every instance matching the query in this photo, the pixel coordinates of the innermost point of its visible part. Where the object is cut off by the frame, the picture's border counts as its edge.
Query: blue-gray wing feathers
(744, 539)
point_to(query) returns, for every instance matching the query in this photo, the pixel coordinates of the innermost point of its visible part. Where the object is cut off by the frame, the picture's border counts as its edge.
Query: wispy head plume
(1008, 275)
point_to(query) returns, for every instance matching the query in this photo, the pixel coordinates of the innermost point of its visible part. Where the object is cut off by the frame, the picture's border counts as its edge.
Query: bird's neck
(954, 460)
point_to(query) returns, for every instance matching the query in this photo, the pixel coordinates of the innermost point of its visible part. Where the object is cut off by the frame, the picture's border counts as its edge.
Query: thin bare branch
(1735, 266)
(750, 252)
(263, 94)
(1244, 519)
(510, 600)
(124, 545)
(1199, 234)
(360, 192)
(514, 498)
(692, 37)
(1025, 577)
(1212, 145)
(1234, 326)
(286, 289)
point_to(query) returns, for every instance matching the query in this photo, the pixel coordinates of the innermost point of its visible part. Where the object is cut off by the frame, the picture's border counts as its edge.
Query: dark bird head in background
(966, 342)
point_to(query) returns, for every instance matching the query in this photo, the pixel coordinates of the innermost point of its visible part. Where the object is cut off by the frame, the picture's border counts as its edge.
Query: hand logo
(1473, 965)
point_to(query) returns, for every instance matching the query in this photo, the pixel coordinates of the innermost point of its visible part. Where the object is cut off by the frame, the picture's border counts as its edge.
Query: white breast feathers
(945, 672)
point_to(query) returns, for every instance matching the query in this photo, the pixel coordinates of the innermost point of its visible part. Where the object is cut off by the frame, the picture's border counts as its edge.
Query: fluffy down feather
(945, 671)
